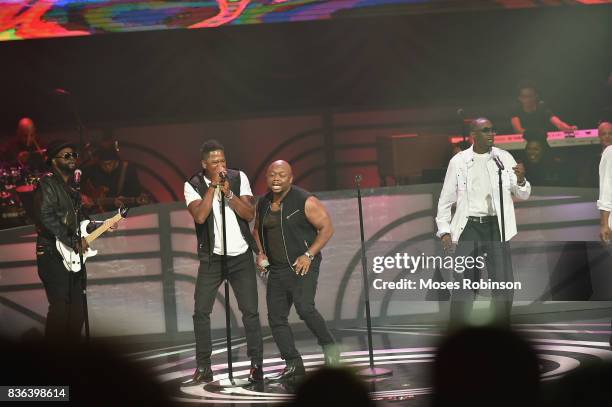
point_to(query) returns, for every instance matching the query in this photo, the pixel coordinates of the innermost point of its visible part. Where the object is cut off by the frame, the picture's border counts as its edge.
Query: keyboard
(572, 138)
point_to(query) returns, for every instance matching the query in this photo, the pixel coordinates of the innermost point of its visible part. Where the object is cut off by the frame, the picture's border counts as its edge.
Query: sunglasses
(488, 130)
(68, 156)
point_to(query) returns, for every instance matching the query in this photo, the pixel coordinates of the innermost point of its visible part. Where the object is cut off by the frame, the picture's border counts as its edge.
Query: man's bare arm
(317, 215)
(200, 208)
(242, 205)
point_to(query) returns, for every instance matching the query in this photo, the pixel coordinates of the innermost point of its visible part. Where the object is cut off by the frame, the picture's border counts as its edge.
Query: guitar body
(70, 257)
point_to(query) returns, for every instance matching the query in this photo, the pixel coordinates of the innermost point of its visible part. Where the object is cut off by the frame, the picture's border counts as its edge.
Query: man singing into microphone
(203, 198)
(472, 184)
(56, 219)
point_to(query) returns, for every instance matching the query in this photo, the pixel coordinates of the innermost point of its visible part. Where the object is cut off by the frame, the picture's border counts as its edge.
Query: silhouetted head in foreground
(97, 375)
(332, 387)
(485, 366)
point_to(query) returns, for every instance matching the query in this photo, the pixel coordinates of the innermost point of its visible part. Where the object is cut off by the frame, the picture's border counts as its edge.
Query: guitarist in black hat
(55, 219)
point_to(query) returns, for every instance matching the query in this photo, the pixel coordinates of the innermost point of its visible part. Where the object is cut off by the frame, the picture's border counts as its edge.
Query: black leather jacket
(54, 209)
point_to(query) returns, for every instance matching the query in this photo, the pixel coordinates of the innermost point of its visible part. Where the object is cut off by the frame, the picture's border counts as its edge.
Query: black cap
(56, 146)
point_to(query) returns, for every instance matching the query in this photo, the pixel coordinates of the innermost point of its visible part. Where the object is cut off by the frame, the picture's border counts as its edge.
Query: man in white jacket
(472, 183)
(604, 203)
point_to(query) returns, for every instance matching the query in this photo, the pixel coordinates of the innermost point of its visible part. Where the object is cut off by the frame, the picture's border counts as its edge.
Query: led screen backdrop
(25, 19)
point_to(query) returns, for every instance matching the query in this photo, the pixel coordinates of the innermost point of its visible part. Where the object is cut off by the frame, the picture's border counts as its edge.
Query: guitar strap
(121, 181)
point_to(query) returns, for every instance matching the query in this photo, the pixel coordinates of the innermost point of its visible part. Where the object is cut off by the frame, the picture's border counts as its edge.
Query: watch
(310, 256)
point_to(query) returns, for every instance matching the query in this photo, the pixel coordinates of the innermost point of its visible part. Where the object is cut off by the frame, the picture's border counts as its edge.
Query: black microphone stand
(501, 203)
(78, 218)
(504, 244)
(230, 381)
(78, 206)
(371, 371)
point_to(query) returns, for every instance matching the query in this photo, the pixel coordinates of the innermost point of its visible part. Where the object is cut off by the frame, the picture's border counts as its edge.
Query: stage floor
(408, 349)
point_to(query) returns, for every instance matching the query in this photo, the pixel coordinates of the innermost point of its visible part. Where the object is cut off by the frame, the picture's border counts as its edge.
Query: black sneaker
(294, 369)
(201, 375)
(256, 373)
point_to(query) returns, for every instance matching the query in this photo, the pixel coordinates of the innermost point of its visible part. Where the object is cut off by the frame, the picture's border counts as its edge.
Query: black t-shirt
(536, 122)
(274, 235)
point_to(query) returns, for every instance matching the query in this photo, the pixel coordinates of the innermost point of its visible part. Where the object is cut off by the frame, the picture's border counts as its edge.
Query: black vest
(298, 233)
(205, 232)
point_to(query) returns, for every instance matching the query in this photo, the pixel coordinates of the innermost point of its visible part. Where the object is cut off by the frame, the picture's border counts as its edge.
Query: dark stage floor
(408, 349)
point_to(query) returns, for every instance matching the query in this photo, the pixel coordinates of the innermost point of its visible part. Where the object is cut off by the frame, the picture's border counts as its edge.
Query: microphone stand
(78, 218)
(501, 203)
(504, 251)
(230, 381)
(369, 372)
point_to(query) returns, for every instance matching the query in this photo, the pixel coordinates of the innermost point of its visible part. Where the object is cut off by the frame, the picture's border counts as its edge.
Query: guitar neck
(108, 223)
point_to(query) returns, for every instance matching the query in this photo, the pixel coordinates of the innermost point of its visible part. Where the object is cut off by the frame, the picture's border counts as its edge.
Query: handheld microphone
(223, 175)
(264, 264)
(77, 176)
(499, 163)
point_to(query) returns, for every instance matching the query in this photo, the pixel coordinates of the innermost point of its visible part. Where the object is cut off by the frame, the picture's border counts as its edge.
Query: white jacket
(455, 190)
(605, 182)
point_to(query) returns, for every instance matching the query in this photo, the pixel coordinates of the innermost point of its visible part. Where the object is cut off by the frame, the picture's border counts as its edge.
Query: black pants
(483, 239)
(66, 314)
(241, 270)
(284, 289)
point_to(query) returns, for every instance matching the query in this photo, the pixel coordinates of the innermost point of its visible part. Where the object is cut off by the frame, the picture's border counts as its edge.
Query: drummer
(24, 148)
(23, 160)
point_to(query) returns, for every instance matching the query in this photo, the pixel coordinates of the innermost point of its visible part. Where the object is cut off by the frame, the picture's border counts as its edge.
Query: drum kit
(19, 180)
(17, 186)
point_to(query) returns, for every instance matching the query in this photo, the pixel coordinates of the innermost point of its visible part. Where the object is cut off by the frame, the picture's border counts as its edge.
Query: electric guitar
(71, 257)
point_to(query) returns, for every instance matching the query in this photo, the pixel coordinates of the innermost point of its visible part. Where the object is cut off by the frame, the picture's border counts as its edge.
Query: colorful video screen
(29, 19)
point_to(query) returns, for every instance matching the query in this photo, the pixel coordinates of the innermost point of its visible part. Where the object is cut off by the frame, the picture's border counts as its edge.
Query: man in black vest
(291, 228)
(203, 199)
